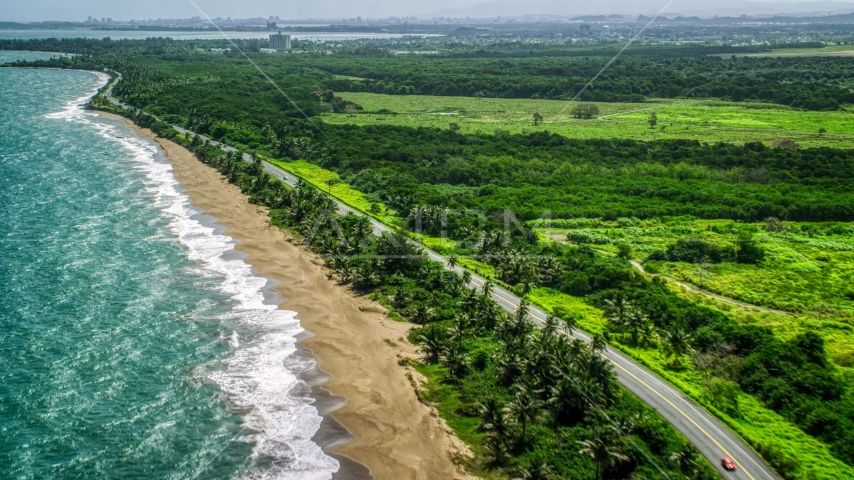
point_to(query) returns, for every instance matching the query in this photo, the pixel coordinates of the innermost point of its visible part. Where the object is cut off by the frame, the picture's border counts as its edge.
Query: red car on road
(727, 463)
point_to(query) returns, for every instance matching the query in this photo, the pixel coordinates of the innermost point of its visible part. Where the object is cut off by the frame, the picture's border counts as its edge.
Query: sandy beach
(357, 345)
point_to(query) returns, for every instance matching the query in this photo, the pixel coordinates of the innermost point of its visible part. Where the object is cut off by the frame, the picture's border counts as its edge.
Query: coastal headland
(357, 345)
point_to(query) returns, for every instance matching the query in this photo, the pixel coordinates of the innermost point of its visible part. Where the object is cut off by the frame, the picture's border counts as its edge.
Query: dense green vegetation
(459, 184)
(526, 400)
(531, 174)
(568, 177)
(809, 83)
(787, 375)
(801, 82)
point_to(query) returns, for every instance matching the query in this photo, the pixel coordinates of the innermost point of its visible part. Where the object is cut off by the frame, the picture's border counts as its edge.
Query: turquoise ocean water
(134, 342)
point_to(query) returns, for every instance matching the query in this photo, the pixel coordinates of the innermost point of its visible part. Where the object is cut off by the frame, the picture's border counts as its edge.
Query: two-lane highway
(711, 437)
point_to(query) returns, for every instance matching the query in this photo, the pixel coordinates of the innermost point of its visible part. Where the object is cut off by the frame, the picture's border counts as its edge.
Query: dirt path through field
(695, 289)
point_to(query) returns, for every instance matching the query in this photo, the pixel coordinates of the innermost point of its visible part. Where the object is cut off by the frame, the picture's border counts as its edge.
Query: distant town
(401, 24)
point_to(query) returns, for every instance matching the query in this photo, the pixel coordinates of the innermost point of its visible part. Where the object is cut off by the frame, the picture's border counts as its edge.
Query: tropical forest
(690, 209)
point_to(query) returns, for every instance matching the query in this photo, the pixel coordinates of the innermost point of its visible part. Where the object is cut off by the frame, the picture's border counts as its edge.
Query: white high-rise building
(280, 42)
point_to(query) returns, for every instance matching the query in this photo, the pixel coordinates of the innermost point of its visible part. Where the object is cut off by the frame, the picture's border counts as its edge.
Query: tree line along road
(710, 436)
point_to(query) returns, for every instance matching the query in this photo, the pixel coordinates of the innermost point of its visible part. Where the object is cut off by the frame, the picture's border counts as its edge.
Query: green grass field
(803, 271)
(708, 121)
(806, 273)
(827, 51)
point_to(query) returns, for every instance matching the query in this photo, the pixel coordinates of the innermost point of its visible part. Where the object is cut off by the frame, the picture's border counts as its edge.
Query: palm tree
(452, 261)
(496, 446)
(604, 450)
(524, 309)
(574, 394)
(634, 322)
(487, 288)
(526, 285)
(489, 314)
(455, 360)
(422, 314)
(601, 371)
(686, 460)
(549, 269)
(551, 327)
(524, 409)
(703, 271)
(366, 274)
(466, 277)
(432, 340)
(254, 165)
(647, 335)
(457, 332)
(494, 420)
(540, 472)
(570, 323)
(618, 310)
(398, 298)
(599, 344)
(520, 326)
(677, 344)
(510, 366)
(471, 301)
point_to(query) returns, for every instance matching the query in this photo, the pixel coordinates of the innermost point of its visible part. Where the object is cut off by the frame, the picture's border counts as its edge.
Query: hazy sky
(35, 10)
(31, 10)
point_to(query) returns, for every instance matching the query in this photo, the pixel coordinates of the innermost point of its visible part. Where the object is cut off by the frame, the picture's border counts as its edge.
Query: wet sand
(373, 419)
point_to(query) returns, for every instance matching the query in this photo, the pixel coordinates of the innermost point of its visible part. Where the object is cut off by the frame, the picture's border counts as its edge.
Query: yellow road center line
(685, 415)
(732, 457)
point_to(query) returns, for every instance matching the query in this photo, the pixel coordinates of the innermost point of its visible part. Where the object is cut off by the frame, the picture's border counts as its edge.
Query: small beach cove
(370, 395)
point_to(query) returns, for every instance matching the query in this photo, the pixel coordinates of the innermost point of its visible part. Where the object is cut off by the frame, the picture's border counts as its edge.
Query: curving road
(711, 437)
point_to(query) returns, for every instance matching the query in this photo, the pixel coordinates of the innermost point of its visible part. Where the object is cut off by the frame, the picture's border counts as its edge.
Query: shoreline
(373, 422)
(330, 433)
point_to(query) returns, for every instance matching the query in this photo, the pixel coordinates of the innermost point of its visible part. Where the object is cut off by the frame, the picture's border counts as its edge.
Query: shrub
(773, 454)
(784, 144)
(837, 230)
(220, 130)
(629, 222)
(773, 224)
(749, 251)
(576, 222)
(650, 268)
(693, 250)
(723, 394)
(587, 236)
(658, 255)
(585, 110)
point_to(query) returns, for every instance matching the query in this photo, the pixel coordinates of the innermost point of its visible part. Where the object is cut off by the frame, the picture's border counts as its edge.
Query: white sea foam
(279, 419)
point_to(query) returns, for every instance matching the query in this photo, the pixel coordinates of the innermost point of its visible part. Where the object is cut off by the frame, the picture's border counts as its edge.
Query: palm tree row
(548, 379)
(631, 321)
(514, 262)
(539, 379)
